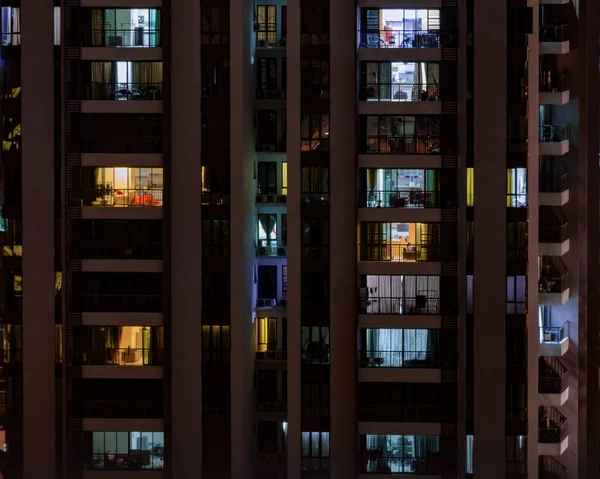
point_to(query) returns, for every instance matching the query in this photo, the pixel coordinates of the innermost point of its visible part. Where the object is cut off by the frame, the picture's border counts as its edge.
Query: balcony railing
(550, 468)
(398, 199)
(398, 92)
(555, 184)
(136, 460)
(554, 335)
(116, 250)
(270, 91)
(122, 303)
(10, 39)
(553, 225)
(556, 83)
(553, 279)
(553, 134)
(272, 353)
(123, 409)
(372, 464)
(400, 39)
(401, 145)
(128, 38)
(397, 252)
(316, 353)
(388, 305)
(117, 144)
(516, 200)
(115, 91)
(399, 359)
(554, 33)
(118, 197)
(553, 376)
(553, 425)
(399, 413)
(118, 357)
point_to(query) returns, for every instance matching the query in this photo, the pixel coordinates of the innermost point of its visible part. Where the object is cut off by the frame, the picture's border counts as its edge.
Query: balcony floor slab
(555, 400)
(553, 449)
(554, 349)
(554, 148)
(554, 199)
(554, 249)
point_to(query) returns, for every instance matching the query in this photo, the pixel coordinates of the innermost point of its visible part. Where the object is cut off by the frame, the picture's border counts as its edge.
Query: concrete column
(39, 395)
(489, 447)
(184, 214)
(294, 303)
(343, 289)
(243, 198)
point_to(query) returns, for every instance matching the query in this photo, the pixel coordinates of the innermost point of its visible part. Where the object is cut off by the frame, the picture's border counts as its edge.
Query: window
(267, 282)
(215, 185)
(315, 184)
(516, 241)
(266, 335)
(315, 451)
(401, 294)
(11, 26)
(284, 280)
(469, 454)
(470, 186)
(267, 232)
(284, 178)
(314, 26)
(284, 230)
(126, 27)
(267, 74)
(215, 25)
(11, 339)
(267, 435)
(216, 344)
(517, 134)
(399, 241)
(400, 348)
(315, 400)
(516, 295)
(125, 450)
(266, 132)
(215, 238)
(267, 178)
(56, 26)
(315, 292)
(315, 344)
(398, 81)
(401, 454)
(516, 455)
(315, 132)
(215, 77)
(393, 188)
(315, 239)
(399, 135)
(314, 80)
(215, 291)
(266, 17)
(516, 187)
(120, 80)
(110, 186)
(470, 298)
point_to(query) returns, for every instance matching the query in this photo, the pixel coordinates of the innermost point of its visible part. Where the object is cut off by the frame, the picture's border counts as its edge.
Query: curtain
(372, 179)
(97, 28)
(56, 26)
(267, 222)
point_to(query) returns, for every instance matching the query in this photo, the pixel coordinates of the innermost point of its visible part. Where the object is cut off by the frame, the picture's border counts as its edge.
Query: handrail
(134, 460)
(401, 145)
(117, 250)
(392, 305)
(133, 303)
(115, 91)
(123, 409)
(552, 467)
(554, 33)
(553, 133)
(115, 38)
(400, 413)
(552, 426)
(399, 359)
(399, 199)
(399, 252)
(554, 335)
(117, 197)
(118, 356)
(380, 91)
(400, 38)
(372, 463)
(561, 85)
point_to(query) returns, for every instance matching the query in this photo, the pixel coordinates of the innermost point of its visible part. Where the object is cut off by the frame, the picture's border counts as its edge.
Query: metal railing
(553, 184)
(122, 303)
(216, 356)
(553, 425)
(401, 145)
(115, 91)
(399, 359)
(118, 144)
(516, 200)
(400, 413)
(118, 356)
(400, 464)
(117, 197)
(117, 250)
(554, 283)
(398, 252)
(135, 460)
(315, 92)
(553, 234)
(554, 33)
(10, 39)
(552, 384)
(399, 199)
(386, 305)
(315, 252)
(550, 468)
(123, 409)
(127, 38)
(399, 39)
(554, 335)
(272, 353)
(563, 83)
(376, 91)
(553, 134)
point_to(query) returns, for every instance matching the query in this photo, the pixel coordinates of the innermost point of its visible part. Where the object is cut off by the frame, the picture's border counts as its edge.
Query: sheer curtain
(396, 346)
(384, 294)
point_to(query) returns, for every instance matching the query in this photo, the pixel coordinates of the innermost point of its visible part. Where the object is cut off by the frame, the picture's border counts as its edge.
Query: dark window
(267, 178)
(267, 74)
(266, 135)
(315, 238)
(283, 230)
(215, 238)
(400, 134)
(315, 184)
(315, 26)
(215, 291)
(315, 400)
(284, 280)
(215, 78)
(267, 282)
(215, 25)
(284, 21)
(315, 292)
(315, 78)
(215, 185)
(315, 451)
(216, 343)
(267, 436)
(266, 387)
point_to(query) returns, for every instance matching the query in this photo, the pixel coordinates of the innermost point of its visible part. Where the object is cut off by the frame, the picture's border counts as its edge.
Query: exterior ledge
(400, 215)
(554, 349)
(554, 299)
(555, 98)
(554, 199)
(392, 321)
(554, 148)
(554, 249)
(553, 449)
(555, 400)
(400, 375)
(554, 48)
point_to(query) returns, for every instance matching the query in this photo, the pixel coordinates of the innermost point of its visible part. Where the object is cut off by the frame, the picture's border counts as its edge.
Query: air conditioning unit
(262, 43)
(279, 95)
(261, 251)
(282, 42)
(283, 303)
(283, 198)
(266, 303)
(282, 251)
(270, 199)
(261, 198)
(270, 94)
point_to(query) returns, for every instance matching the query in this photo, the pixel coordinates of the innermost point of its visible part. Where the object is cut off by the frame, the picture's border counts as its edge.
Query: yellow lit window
(284, 178)
(267, 334)
(470, 187)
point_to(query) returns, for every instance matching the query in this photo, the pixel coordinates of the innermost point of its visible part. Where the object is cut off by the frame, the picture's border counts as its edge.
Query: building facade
(325, 240)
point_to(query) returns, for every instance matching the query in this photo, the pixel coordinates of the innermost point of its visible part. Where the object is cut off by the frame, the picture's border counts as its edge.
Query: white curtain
(56, 26)
(395, 346)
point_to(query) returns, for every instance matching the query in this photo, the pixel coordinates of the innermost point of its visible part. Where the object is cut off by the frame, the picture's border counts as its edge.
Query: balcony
(117, 357)
(123, 409)
(122, 303)
(374, 463)
(384, 305)
(399, 359)
(554, 190)
(382, 45)
(553, 231)
(399, 99)
(555, 92)
(270, 91)
(399, 413)
(553, 282)
(554, 140)
(114, 250)
(397, 198)
(552, 432)
(550, 468)
(399, 252)
(400, 145)
(111, 144)
(110, 97)
(124, 203)
(554, 341)
(124, 44)
(135, 460)
(553, 382)
(554, 39)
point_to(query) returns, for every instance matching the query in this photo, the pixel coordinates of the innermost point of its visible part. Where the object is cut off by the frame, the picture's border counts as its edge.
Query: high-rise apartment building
(308, 239)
